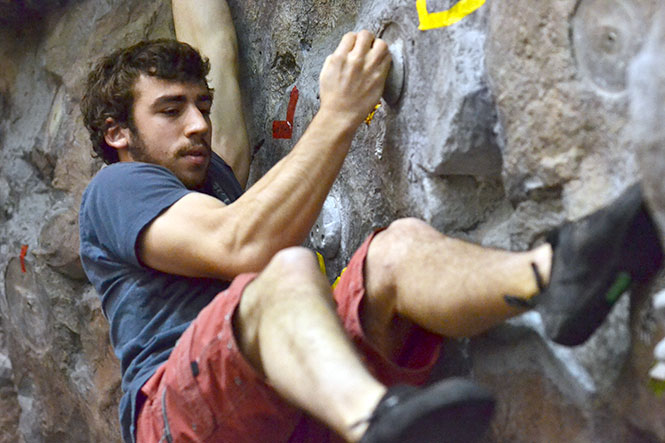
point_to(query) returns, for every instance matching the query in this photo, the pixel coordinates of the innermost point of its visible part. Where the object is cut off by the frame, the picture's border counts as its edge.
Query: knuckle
(332, 60)
(380, 45)
(355, 58)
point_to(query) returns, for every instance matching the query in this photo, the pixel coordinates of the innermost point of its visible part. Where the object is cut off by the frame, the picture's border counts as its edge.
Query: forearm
(201, 22)
(280, 209)
(351, 83)
(207, 25)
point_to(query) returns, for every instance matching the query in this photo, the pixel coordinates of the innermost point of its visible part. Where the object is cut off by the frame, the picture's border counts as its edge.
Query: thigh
(207, 391)
(417, 357)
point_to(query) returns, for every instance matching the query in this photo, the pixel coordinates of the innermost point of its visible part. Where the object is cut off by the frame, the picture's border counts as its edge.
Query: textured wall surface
(511, 121)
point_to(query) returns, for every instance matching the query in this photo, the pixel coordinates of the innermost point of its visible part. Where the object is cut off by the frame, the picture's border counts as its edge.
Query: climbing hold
(326, 235)
(395, 81)
(606, 36)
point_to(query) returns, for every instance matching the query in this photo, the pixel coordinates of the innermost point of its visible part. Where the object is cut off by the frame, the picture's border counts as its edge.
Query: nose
(196, 123)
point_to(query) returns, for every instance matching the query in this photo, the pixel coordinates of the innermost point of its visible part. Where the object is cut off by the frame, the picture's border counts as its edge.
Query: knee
(406, 229)
(394, 242)
(409, 225)
(389, 251)
(290, 280)
(290, 272)
(290, 263)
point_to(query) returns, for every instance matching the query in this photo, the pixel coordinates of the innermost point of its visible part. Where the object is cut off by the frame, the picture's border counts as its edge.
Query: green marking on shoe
(657, 386)
(621, 283)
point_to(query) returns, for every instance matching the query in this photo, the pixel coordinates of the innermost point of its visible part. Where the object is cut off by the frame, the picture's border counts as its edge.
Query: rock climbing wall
(514, 116)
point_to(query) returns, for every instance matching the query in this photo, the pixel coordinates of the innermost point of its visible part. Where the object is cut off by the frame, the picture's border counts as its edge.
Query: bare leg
(448, 286)
(288, 329)
(207, 26)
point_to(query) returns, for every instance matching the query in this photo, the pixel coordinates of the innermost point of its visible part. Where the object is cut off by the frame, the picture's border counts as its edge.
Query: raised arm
(199, 236)
(207, 26)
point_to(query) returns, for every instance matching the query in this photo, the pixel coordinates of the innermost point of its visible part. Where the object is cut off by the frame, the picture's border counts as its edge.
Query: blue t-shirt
(147, 310)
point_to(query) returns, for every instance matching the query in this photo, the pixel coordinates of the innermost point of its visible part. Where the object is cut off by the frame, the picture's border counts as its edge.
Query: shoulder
(131, 178)
(130, 190)
(128, 172)
(121, 200)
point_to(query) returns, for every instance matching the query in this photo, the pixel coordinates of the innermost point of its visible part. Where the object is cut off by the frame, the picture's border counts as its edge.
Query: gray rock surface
(647, 92)
(510, 121)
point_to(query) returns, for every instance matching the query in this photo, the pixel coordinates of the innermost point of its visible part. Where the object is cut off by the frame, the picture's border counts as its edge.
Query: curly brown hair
(109, 91)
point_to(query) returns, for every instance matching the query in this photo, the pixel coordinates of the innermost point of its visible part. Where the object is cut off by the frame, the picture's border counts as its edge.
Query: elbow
(241, 250)
(253, 258)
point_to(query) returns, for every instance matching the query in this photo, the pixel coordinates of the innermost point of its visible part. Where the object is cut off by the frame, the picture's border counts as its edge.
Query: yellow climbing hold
(445, 18)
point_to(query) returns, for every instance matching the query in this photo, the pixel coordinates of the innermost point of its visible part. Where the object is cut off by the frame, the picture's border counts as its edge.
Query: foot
(596, 259)
(455, 409)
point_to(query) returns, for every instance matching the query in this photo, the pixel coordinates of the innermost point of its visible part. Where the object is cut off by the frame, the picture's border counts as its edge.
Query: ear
(116, 136)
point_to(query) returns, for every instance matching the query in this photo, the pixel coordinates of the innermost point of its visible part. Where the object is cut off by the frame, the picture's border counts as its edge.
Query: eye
(171, 112)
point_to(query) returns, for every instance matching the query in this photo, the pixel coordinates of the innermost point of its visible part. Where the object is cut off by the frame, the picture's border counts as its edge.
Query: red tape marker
(284, 128)
(24, 251)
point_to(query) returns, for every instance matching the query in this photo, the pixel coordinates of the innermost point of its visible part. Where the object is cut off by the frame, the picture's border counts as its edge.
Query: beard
(138, 150)
(140, 153)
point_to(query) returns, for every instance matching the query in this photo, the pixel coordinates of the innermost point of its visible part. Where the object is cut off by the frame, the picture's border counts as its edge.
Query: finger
(364, 41)
(379, 51)
(380, 44)
(383, 69)
(347, 43)
(386, 61)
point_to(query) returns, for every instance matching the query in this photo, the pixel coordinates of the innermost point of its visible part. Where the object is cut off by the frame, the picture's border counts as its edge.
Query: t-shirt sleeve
(121, 201)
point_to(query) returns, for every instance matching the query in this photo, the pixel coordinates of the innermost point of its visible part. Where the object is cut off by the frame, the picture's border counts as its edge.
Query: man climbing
(226, 330)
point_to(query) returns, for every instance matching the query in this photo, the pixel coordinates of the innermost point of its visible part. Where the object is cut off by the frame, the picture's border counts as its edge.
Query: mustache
(202, 147)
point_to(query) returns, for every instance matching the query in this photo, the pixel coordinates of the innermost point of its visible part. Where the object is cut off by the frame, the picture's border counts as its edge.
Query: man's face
(172, 127)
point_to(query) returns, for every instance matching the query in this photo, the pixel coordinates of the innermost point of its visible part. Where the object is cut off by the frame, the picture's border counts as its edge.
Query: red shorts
(207, 391)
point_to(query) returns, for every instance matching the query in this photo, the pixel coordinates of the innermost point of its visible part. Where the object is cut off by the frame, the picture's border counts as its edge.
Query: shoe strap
(530, 303)
(540, 282)
(391, 398)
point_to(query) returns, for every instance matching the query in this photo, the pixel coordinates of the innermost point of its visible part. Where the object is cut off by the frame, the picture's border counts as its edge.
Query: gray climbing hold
(326, 234)
(606, 36)
(395, 80)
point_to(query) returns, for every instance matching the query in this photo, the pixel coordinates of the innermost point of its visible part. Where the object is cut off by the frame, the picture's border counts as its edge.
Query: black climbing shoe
(595, 261)
(452, 410)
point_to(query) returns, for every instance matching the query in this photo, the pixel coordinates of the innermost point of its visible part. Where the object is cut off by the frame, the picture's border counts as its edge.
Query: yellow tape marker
(445, 18)
(322, 262)
(322, 266)
(370, 117)
(334, 285)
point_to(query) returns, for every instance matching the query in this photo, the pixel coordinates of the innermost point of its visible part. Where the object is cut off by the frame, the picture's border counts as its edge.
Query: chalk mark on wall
(445, 18)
